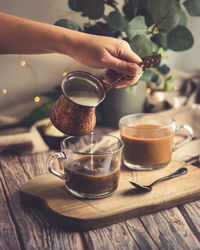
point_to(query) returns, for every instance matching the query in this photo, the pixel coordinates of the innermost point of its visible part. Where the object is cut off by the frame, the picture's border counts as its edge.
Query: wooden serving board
(48, 192)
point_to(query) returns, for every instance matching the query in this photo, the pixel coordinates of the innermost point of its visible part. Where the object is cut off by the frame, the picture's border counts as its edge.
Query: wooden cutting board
(48, 192)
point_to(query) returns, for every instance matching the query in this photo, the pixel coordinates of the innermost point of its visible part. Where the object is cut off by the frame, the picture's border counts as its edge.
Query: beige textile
(20, 139)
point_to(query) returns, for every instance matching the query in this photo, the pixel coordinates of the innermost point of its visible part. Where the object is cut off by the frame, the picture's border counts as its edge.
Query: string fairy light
(36, 99)
(23, 63)
(148, 90)
(4, 91)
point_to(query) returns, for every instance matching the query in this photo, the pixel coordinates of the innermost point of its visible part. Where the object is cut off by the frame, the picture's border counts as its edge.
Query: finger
(126, 83)
(111, 76)
(120, 66)
(130, 56)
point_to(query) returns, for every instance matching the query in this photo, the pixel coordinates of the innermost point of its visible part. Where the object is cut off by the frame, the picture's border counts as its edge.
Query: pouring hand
(23, 36)
(107, 52)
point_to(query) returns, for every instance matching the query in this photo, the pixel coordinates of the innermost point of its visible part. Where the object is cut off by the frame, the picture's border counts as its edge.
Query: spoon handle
(116, 82)
(177, 173)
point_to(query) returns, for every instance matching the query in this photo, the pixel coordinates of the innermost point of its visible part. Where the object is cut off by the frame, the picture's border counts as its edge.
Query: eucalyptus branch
(152, 30)
(129, 24)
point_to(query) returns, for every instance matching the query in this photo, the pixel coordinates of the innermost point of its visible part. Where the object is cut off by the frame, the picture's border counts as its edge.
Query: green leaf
(116, 21)
(160, 40)
(141, 45)
(160, 51)
(130, 9)
(39, 113)
(183, 19)
(100, 28)
(165, 13)
(193, 7)
(156, 78)
(154, 47)
(94, 9)
(168, 85)
(67, 24)
(143, 11)
(76, 5)
(180, 38)
(164, 69)
(136, 26)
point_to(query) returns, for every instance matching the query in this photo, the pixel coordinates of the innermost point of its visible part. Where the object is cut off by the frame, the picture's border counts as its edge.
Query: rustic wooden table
(23, 227)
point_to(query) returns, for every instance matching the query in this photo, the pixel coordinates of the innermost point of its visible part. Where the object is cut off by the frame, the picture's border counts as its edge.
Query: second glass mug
(149, 140)
(92, 164)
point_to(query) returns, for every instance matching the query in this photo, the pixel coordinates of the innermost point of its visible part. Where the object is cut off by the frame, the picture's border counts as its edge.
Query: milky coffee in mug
(149, 140)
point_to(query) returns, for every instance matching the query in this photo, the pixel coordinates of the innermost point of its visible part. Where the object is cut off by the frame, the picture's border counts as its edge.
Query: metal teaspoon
(145, 188)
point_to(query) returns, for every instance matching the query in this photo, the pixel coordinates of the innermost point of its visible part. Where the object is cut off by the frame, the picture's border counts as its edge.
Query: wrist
(68, 45)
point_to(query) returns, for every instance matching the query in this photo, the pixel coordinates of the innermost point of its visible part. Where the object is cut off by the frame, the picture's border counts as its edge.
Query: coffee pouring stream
(74, 111)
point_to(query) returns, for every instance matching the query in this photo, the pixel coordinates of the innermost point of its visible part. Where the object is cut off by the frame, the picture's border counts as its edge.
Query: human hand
(106, 52)
(23, 36)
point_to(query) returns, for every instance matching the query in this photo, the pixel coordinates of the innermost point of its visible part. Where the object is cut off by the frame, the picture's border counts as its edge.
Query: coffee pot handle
(116, 82)
(50, 161)
(189, 131)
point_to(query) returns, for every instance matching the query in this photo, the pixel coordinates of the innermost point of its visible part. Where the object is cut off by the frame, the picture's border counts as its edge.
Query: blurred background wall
(22, 77)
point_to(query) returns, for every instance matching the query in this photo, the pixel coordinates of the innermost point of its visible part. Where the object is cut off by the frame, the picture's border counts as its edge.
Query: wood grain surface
(49, 193)
(24, 227)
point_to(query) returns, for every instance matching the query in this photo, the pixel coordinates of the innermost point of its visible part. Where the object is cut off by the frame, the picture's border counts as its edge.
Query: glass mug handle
(50, 162)
(188, 139)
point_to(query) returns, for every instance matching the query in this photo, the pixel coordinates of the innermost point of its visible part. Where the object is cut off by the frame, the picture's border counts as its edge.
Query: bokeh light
(23, 63)
(36, 99)
(4, 91)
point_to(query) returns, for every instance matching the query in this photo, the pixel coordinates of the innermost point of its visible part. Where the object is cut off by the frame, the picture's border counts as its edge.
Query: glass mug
(91, 164)
(149, 140)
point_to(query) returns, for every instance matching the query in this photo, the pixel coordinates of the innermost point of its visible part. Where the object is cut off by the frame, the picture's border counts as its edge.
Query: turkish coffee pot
(74, 111)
